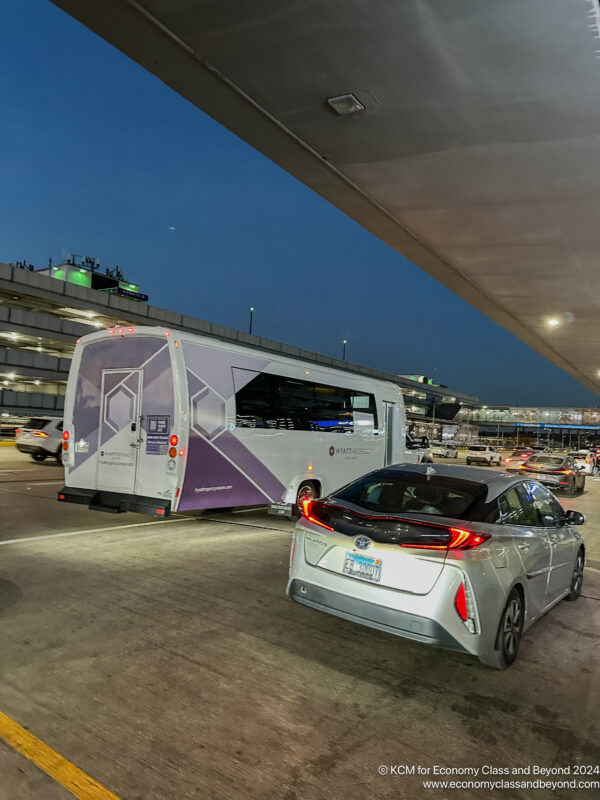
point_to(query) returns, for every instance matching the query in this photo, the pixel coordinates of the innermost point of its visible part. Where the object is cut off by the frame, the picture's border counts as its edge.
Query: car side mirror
(575, 518)
(549, 521)
(581, 467)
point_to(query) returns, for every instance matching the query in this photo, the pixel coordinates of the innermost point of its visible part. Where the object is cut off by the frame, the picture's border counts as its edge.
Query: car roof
(496, 482)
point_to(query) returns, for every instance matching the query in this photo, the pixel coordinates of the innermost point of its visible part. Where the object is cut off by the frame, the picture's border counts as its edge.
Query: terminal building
(44, 311)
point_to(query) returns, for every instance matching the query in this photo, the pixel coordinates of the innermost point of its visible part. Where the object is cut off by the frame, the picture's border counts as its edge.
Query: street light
(344, 342)
(251, 313)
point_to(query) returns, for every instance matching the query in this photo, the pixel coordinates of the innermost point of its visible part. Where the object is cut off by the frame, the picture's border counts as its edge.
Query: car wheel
(577, 579)
(38, 456)
(509, 634)
(306, 491)
(468, 462)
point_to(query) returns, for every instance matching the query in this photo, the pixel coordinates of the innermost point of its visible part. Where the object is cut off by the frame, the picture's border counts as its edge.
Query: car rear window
(36, 424)
(413, 493)
(478, 447)
(550, 460)
(520, 453)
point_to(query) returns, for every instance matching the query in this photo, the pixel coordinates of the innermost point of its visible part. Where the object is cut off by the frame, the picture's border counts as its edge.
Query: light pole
(344, 342)
(251, 315)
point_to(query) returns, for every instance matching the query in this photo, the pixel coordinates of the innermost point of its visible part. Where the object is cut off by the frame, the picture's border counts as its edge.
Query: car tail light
(460, 603)
(430, 535)
(465, 606)
(459, 539)
(61, 497)
(18, 431)
(41, 434)
(507, 460)
(307, 505)
(567, 472)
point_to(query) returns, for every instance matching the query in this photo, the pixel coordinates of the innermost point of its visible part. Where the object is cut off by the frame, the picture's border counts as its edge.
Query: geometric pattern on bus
(119, 407)
(208, 412)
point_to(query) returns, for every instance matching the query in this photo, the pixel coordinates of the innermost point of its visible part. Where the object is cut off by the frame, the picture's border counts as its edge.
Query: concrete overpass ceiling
(477, 155)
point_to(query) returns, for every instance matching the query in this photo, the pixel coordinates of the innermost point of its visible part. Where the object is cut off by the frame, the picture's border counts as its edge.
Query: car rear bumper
(115, 502)
(399, 623)
(550, 480)
(32, 448)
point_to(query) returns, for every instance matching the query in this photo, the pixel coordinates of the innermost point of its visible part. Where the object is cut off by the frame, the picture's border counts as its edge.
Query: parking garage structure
(43, 313)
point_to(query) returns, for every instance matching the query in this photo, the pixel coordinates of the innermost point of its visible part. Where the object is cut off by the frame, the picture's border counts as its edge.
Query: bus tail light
(172, 452)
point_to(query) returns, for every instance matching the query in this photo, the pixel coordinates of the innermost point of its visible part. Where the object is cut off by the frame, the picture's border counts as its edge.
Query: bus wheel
(306, 491)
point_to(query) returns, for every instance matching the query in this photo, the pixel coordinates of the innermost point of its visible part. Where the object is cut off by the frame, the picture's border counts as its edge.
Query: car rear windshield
(478, 447)
(578, 455)
(36, 424)
(520, 453)
(413, 493)
(550, 460)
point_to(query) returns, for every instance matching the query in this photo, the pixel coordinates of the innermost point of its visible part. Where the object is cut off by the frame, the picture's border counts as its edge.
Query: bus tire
(306, 490)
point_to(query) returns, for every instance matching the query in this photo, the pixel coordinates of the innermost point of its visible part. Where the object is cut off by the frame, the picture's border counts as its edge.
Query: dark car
(518, 456)
(556, 471)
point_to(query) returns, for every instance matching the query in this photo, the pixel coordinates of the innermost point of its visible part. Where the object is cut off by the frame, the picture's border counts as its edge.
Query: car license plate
(358, 566)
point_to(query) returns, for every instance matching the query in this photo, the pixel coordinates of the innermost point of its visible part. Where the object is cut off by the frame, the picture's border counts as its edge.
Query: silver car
(460, 558)
(41, 437)
(444, 450)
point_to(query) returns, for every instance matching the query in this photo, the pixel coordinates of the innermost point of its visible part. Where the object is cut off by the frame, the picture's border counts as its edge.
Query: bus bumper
(115, 502)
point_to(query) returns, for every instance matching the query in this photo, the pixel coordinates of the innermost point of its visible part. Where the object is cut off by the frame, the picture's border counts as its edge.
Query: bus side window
(274, 401)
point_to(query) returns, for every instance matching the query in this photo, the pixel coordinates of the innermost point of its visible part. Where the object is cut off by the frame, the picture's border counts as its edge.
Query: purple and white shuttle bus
(162, 420)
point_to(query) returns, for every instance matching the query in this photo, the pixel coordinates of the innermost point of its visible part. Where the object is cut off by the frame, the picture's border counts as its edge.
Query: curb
(7, 444)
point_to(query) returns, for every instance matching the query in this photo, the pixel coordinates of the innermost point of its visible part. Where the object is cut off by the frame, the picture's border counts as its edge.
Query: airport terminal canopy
(464, 133)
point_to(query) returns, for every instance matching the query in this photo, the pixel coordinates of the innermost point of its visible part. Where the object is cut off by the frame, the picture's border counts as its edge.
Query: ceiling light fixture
(344, 104)
(553, 322)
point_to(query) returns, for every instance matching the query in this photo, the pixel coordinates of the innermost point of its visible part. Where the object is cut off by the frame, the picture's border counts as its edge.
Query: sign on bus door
(119, 429)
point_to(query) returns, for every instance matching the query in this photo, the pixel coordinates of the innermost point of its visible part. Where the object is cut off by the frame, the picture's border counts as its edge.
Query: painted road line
(93, 530)
(248, 524)
(52, 763)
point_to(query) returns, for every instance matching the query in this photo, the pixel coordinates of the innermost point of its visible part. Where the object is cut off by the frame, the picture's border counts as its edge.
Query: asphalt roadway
(162, 660)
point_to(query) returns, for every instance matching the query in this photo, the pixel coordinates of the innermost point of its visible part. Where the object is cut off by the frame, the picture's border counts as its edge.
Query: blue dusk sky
(100, 158)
